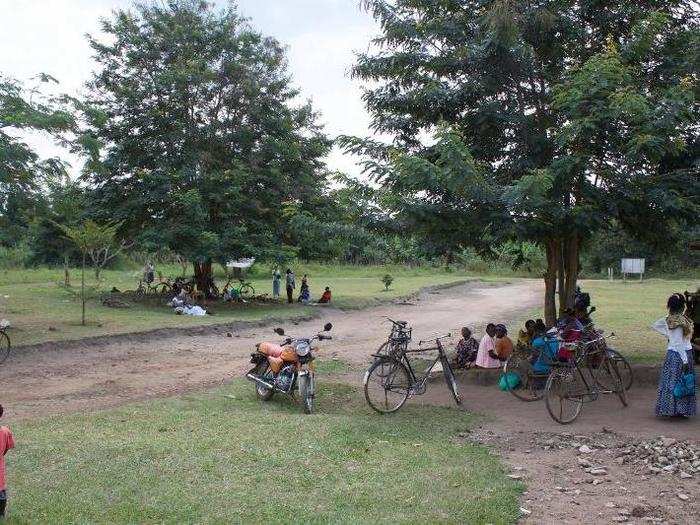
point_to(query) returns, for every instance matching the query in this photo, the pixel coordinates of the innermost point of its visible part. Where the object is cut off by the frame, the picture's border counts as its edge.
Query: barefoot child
(6, 443)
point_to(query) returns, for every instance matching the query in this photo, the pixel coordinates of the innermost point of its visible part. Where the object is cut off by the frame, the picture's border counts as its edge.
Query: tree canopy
(195, 134)
(575, 111)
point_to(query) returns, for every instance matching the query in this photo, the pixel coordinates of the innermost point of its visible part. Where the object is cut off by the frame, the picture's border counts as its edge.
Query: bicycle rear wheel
(4, 347)
(623, 368)
(613, 373)
(450, 379)
(563, 396)
(532, 385)
(387, 385)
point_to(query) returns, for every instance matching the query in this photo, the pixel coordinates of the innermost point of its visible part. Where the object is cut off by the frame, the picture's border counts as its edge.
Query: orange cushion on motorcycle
(270, 349)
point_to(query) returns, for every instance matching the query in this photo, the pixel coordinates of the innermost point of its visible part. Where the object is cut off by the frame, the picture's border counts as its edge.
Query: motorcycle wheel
(306, 392)
(264, 394)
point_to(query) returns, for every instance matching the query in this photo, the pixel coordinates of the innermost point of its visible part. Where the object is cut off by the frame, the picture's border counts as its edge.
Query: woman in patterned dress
(677, 329)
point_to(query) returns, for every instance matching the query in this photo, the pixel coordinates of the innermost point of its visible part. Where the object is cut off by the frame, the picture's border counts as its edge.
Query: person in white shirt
(677, 329)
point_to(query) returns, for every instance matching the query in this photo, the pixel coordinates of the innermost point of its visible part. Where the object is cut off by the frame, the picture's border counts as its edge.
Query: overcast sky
(47, 36)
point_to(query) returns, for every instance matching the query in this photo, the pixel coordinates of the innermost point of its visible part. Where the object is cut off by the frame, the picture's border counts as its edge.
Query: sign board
(632, 266)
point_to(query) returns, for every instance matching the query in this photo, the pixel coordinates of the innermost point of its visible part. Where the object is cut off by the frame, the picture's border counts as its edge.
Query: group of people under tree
(676, 389)
(290, 286)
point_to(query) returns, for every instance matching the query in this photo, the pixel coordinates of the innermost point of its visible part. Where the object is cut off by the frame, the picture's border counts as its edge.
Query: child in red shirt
(6, 443)
(326, 297)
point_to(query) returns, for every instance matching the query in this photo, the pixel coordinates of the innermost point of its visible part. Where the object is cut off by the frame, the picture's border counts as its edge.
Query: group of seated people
(542, 348)
(492, 351)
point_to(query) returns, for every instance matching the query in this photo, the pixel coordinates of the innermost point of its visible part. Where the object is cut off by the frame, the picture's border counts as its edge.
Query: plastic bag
(509, 381)
(685, 385)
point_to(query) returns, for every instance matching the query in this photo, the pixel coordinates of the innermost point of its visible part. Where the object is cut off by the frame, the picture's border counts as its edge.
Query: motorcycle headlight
(302, 349)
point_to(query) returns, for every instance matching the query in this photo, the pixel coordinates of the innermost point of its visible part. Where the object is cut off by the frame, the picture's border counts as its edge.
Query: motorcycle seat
(270, 349)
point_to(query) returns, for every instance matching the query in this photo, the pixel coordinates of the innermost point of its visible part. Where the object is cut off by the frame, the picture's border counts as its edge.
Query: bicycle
(244, 290)
(567, 387)
(399, 337)
(153, 288)
(531, 387)
(392, 377)
(5, 344)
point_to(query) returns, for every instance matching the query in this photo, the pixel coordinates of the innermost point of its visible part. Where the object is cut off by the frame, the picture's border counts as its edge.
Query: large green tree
(195, 134)
(576, 111)
(23, 173)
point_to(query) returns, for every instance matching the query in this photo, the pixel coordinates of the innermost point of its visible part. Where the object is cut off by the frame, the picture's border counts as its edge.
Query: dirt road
(93, 375)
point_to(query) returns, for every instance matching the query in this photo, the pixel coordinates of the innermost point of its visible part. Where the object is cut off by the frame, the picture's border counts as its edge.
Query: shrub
(387, 280)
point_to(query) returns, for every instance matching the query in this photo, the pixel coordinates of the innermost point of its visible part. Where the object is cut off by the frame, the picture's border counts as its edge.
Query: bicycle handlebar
(402, 324)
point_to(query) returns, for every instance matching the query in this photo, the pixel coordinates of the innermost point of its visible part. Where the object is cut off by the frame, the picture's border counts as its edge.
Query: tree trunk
(561, 278)
(204, 277)
(82, 289)
(550, 281)
(66, 273)
(97, 272)
(571, 265)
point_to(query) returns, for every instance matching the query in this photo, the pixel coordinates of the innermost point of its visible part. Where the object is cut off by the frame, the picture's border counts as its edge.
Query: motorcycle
(286, 368)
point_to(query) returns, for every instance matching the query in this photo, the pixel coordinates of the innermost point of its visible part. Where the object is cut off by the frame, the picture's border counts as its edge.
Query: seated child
(525, 336)
(467, 348)
(326, 297)
(503, 346)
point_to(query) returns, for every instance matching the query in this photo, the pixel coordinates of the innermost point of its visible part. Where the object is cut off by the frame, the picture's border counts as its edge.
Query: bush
(387, 280)
(18, 256)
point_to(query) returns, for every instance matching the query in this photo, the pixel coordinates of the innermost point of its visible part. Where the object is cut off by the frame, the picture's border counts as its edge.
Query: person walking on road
(291, 284)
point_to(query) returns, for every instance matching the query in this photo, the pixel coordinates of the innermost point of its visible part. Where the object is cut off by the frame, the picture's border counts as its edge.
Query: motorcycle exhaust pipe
(256, 379)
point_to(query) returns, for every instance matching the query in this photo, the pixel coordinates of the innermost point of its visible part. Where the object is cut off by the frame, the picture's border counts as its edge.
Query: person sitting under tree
(503, 346)
(467, 349)
(326, 297)
(486, 346)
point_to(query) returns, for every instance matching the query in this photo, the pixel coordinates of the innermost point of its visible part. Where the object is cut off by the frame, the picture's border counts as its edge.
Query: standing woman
(276, 278)
(677, 328)
(291, 284)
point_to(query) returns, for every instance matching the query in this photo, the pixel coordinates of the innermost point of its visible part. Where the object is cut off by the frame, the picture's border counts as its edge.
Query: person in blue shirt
(547, 347)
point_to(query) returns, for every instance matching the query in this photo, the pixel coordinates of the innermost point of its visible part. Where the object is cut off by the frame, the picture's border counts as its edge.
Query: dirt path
(546, 456)
(94, 375)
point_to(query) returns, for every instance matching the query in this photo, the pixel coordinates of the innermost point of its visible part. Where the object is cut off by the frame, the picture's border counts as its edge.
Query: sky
(321, 36)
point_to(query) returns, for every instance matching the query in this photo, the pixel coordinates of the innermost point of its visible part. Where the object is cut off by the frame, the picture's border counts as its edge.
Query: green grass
(225, 457)
(40, 310)
(629, 308)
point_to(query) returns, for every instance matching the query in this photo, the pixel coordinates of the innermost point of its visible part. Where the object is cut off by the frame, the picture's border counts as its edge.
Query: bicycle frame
(418, 383)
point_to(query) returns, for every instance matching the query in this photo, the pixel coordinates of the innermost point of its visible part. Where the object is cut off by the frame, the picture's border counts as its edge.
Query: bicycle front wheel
(4, 347)
(387, 385)
(450, 379)
(563, 396)
(531, 387)
(247, 291)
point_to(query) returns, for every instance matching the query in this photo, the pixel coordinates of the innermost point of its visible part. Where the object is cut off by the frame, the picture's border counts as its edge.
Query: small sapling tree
(387, 280)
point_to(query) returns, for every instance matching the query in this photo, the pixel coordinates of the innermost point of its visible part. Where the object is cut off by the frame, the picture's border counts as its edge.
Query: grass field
(225, 457)
(629, 308)
(41, 310)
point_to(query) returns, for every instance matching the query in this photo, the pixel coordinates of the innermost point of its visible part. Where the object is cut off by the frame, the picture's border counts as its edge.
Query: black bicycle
(391, 379)
(398, 340)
